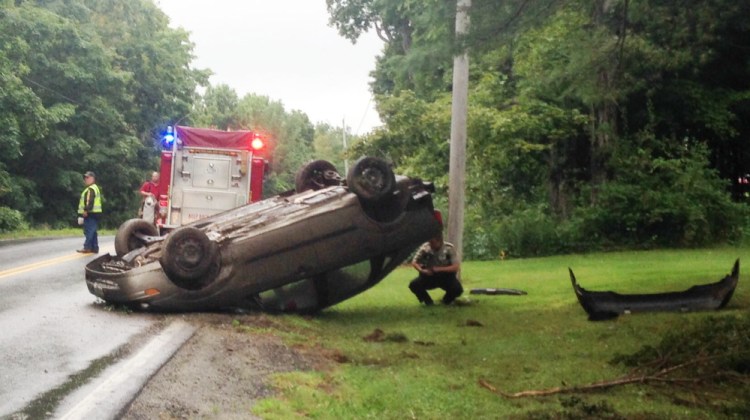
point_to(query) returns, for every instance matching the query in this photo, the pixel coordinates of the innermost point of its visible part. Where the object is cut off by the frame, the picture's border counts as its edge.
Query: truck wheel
(316, 175)
(187, 255)
(371, 179)
(126, 239)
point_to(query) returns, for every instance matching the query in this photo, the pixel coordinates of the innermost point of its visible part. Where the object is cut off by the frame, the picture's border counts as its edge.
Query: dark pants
(90, 225)
(445, 281)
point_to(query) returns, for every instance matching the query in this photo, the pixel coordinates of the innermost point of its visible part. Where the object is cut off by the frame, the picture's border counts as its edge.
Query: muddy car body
(300, 252)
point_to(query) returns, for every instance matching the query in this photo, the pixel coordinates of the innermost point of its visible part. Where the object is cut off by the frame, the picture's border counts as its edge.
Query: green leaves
(83, 85)
(560, 94)
(289, 135)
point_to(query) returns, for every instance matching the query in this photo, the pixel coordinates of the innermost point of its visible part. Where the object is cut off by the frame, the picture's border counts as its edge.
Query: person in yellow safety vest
(89, 209)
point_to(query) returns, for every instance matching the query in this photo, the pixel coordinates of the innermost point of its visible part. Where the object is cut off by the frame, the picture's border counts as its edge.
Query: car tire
(390, 207)
(125, 239)
(316, 175)
(187, 256)
(371, 179)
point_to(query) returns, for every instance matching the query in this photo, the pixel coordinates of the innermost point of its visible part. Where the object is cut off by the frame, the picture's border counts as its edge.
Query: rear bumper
(607, 305)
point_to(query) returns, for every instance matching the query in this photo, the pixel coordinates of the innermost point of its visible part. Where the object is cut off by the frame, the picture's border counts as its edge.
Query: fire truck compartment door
(213, 172)
(197, 204)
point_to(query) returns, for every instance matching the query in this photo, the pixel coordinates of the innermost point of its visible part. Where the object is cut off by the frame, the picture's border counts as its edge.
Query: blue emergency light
(168, 138)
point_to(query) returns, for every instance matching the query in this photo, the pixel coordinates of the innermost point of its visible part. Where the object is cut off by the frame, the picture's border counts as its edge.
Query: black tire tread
(126, 241)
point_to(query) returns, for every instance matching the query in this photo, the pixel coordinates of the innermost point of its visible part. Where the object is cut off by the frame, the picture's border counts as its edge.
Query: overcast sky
(283, 49)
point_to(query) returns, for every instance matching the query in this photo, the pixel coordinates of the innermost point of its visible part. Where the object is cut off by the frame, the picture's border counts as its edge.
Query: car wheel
(126, 239)
(371, 179)
(316, 175)
(390, 207)
(187, 255)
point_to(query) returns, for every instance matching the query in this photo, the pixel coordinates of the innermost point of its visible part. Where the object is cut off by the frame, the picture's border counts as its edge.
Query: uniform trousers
(446, 281)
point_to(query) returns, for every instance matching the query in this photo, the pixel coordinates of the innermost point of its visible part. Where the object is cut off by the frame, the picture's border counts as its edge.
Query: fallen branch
(659, 376)
(577, 388)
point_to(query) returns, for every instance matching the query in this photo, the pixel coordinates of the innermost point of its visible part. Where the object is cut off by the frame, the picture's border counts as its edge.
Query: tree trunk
(604, 110)
(602, 132)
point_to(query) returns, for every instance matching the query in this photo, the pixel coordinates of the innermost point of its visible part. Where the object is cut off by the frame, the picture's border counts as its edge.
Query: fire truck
(204, 172)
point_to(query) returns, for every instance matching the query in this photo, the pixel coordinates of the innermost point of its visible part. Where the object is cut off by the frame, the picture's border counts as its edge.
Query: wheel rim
(372, 179)
(190, 253)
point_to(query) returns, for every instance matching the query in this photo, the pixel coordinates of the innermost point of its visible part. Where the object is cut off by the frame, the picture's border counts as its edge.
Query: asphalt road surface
(63, 351)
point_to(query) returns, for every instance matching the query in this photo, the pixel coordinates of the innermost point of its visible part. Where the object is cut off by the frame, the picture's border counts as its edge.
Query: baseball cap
(89, 173)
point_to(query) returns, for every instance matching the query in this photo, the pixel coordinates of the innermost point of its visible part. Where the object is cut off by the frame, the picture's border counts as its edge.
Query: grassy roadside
(396, 359)
(46, 233)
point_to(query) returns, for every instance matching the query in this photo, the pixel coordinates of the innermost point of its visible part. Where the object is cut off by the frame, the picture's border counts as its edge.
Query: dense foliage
(592, 124)
(92, 85)
(292, 139)
(85, 85)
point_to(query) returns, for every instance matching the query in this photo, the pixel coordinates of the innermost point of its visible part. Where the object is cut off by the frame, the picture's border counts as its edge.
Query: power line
(51, 90)
(367, 108)
(94, 120)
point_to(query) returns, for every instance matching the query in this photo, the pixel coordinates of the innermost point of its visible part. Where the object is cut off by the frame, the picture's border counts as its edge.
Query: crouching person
(438, 267)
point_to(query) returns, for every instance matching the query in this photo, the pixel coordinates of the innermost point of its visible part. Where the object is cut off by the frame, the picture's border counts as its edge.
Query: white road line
(121, 383)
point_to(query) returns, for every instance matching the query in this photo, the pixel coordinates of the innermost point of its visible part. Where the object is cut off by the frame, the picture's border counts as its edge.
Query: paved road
(55, 337)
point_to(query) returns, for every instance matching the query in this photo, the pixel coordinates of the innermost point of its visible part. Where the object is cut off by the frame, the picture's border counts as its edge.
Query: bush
(524, 233)
(708, 356)
(675, 201)
(744, 236)
(529, 233)
(11, 220)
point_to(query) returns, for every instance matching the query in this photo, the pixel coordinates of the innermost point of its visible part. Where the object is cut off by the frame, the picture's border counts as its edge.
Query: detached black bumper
(607, 305)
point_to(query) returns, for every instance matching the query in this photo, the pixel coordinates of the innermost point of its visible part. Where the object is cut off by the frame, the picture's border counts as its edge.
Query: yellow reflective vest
(97, 208)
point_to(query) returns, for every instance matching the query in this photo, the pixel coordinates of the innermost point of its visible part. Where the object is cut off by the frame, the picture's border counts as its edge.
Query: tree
(22, 116)
(90, 97)
(217, 109)
(289, 135)
(328, 145)
(560, 91)
(418, 35)
(61, 86)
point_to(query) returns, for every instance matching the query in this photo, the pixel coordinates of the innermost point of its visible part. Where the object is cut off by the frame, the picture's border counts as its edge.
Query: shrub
(708, 356)
(526, 233)
(529, 233)
(667, 201)
(11, 220)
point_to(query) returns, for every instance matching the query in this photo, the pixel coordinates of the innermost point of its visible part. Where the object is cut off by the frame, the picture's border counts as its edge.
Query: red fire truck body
(204, 172)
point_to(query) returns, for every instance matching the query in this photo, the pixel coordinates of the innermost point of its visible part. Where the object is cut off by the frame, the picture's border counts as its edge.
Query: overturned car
(325, 242)
(608, 305)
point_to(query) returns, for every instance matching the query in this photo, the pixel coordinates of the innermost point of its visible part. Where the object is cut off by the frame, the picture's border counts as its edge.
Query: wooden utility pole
(346, 161)
(459, 113)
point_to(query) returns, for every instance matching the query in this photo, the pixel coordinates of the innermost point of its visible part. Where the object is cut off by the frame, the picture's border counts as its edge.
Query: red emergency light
(257, 143)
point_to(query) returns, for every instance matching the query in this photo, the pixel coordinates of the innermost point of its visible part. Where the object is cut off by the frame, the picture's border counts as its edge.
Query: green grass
(432, 361)
(46, 233)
